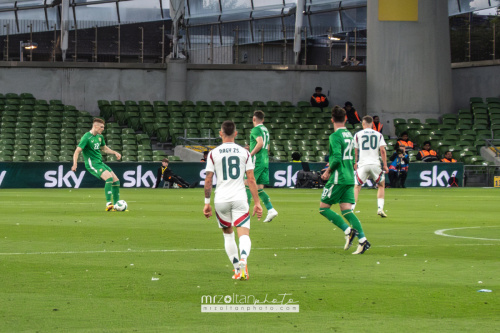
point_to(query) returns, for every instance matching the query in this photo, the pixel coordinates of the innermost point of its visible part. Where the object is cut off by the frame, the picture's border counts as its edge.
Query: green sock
(115, 189)
(107, 189)
(334, 218)
(249, 195)
(265, 199)
(354, 221)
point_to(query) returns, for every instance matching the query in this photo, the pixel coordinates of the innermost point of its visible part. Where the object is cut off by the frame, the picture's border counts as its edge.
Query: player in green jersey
(259, 150)
(340, 186)
(91, 145)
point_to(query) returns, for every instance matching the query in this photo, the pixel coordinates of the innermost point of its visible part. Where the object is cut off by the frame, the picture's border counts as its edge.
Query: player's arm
(258, 146)
(78, 150)
(252, 186)
(356, 158)
(383, 155)
(207, 210)
(110, 151)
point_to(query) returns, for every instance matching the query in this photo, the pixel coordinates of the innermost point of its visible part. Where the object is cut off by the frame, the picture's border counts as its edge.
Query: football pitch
(67, 265)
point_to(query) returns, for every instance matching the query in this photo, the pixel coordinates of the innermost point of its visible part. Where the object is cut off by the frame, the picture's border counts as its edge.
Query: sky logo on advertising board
(135, 178)
(57, 178)
(2, 175)
(433, 178)
(285, 177)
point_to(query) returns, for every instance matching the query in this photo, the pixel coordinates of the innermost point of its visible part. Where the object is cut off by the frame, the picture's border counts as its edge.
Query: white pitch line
(216, 250)
(442, 233)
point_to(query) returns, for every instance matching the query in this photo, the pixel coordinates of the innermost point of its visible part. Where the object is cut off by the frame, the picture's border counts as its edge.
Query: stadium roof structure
(199, 12)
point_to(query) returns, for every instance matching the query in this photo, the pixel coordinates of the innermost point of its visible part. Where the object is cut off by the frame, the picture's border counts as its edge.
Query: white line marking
(442, 233)
(216, 250)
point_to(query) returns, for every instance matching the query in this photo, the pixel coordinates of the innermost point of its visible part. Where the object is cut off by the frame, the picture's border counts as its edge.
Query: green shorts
(97, 168)
(340, 193)
(261, 175)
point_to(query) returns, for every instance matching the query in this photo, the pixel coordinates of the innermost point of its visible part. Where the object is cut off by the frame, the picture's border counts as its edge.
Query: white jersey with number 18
(229, 162)
(368, 143)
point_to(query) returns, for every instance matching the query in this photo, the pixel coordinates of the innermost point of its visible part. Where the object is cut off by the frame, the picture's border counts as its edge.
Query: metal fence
(480, 176)
(474, 38)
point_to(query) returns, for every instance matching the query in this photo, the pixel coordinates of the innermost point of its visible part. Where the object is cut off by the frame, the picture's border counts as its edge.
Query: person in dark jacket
(319, 100)
(168, 176)
(398, 170)
(351, 114)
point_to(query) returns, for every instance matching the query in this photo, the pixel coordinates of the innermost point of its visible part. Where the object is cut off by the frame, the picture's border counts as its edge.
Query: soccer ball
(121, 205)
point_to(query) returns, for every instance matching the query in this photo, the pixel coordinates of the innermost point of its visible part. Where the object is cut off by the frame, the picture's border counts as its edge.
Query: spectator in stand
(205, 154)
(448, 157)
(319, 100)
(296, 157)
(427, 154)
(404, 142)
(351, 114)
(377, 125)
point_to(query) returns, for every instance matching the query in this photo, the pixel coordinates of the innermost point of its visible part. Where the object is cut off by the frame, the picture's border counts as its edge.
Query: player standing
(230, 162)
(340, 186)
(91, 145)
(259, 150)
(367, 145)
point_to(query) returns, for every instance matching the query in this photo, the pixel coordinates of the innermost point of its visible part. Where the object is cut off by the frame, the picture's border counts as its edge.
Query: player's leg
(347, 197)
(223, 215)
(360, 179)
(115, 188)
(108, 188)
(328, 198)
(262, 178)
(379, 177)
(249, 194)
(241, 219)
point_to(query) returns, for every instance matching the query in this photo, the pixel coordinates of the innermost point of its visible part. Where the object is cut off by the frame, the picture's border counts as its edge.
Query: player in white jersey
(230, 162)
(369, 147)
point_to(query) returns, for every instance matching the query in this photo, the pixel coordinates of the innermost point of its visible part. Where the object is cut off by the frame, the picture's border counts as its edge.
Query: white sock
(245, 245)
(362, 240)
(380, 203)
(347, 231)
(231, 249)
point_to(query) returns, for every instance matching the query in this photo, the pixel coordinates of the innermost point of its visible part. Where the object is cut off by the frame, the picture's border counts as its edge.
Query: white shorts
(371, 171)
(233, 213)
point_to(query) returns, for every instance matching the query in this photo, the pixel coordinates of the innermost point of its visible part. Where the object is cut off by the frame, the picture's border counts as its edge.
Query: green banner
(59, 175)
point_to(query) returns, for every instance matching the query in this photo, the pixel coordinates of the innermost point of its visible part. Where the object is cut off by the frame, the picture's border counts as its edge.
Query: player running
(230, 162)
(91, 145)
(340, 186)
(259, 150)
(368, 143)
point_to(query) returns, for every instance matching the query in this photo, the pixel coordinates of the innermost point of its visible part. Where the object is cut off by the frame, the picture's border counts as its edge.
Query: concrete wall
(83, 87)
(469, 80)
(294, 86)
(409, 63)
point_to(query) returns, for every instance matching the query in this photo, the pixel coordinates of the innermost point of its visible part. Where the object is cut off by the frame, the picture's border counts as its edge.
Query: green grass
(66, 265)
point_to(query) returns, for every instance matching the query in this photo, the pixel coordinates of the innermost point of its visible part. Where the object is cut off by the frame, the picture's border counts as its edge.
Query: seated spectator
(377, 125)
(404, 142)
(205, 154)
(398, 170)
(448, 157)
(296, 157)
(427, 154)
(351, 114)
(168, 177)
(319, 100)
